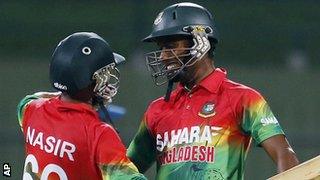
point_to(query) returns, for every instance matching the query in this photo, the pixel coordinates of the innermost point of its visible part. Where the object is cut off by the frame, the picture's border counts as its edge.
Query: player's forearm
(142, 149)
(142, 164)
(141, 152)
(280, 152)
(286, 160)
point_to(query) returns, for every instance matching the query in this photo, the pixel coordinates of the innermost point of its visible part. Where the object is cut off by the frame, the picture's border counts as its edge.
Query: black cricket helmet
(182, 20)
(82, 59)
(174, 20)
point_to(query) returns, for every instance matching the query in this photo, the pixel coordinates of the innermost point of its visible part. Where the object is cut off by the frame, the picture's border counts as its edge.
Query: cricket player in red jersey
(204, 128)
(64, 137)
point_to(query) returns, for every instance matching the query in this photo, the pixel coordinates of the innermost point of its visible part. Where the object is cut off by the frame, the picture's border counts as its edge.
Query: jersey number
(50, 168)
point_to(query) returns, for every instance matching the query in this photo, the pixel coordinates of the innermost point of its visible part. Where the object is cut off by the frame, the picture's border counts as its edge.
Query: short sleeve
(258, 119)
(111, 157)
(109, 147)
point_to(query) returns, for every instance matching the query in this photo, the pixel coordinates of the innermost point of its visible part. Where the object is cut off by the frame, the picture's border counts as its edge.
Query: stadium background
(272, 46)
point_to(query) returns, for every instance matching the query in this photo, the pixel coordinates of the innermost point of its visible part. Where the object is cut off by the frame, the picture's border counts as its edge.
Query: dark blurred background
(272, 46)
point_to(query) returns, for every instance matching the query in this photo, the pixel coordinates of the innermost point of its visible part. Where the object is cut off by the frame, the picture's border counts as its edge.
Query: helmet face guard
(164, 69)
(107, 82)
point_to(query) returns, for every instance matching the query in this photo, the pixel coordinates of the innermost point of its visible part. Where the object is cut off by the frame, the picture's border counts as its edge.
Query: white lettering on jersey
(268, 120)
(183, 139)
(194, 134)
(57, 147)
(50, 144)
(29, 135)
(166, 139)
(159, 143)
(175, 137)
(48, 147)
(67, 148)
(206, 135)
(38, 140)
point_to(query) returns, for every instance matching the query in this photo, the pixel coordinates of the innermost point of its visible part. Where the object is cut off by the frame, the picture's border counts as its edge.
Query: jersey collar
(69, 105)
(211, 83)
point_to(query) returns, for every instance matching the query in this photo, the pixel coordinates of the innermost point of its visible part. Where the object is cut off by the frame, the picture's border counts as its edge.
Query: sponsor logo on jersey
(207, 110)
(269, 120)
(177, 145)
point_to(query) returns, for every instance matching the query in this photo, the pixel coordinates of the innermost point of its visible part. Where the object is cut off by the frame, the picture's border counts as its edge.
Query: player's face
(171, 50)
(174, 54)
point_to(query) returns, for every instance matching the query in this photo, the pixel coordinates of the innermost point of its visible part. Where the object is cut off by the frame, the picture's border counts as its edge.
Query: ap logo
(6, 170)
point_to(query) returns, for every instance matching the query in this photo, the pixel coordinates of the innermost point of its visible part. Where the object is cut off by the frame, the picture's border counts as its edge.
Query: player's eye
(167, 46)
(171, 46)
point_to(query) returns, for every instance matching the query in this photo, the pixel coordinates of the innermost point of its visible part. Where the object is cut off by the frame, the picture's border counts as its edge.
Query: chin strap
(169, 90)
(106, 116)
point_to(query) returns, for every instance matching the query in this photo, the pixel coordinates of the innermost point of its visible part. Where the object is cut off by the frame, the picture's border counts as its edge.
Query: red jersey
(205, 132)
(68, 141)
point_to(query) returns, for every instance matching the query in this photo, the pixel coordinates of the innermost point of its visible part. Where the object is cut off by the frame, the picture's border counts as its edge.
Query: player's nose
(166, 54)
